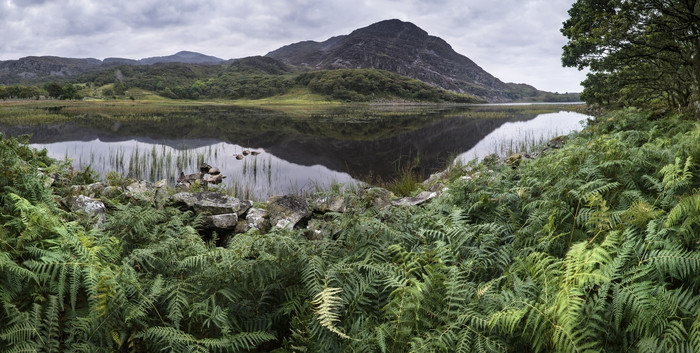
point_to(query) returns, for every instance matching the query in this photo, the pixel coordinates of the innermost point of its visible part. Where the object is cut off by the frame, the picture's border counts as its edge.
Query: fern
(327, 305)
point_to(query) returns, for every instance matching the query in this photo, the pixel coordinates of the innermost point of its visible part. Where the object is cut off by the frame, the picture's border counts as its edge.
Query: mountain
(185, 57)
(38, 69)
(403, 48)
(392, 45)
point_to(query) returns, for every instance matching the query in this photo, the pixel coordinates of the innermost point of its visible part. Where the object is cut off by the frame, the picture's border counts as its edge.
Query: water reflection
(521, 136)
(255, 176)
(298, 153)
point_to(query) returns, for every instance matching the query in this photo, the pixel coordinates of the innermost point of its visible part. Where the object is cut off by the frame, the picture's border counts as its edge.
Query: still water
(300, 152)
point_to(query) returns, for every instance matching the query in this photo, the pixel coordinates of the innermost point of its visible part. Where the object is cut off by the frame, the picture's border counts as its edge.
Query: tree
(648, 50)
(54, 89)
(69, 92)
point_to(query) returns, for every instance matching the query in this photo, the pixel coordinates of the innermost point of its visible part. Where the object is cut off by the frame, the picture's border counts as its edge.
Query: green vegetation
(640, 53)
(531, 94)
(590, 247)
(260, 77)
(368, 84)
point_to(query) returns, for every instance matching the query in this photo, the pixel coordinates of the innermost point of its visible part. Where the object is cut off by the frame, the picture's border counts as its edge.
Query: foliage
(369, 84)
(21, 92)
(643, 52)
(592, 247)
(261, 77)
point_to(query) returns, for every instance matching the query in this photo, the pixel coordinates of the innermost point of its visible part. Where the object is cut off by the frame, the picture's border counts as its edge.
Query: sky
(514, 40)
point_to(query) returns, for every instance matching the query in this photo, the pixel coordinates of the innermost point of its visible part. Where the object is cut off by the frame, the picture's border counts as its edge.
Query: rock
(314, 231)
(96, 189)
(326, 204)
(221, 222)
(111, 191)
(514, 159)
(58, 180)
(140, 187)
(557, 142)
(214, 171)
(211, 203)
(88, 206)
(215, 179)
(256, 218)
(287, 211)
(377, 197)
(414, 201)
(204, 168)
(189, 178)
(437, 188)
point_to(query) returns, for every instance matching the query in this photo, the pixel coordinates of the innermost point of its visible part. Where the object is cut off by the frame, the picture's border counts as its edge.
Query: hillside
(399, 47)
(37, 69)
(392, 45)
(262, 77)
(41, 69)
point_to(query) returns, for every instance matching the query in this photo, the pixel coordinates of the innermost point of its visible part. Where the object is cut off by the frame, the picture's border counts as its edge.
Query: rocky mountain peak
(400, 47)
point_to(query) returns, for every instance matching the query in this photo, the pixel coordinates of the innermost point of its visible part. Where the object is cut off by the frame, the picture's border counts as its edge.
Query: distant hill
(39, 69)
(403, 48)
(185, 57)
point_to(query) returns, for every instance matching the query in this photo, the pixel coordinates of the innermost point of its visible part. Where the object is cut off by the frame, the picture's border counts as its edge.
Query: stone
(88, 206)
(111, 191)
(557, 142)
(287, 211)
(514, 159)
(221, 222)
(421, 198)
(211, 203)
(256, 218)
(215, 179)
(139, 187)
(95, 190)
(326, 204)
(377, 197)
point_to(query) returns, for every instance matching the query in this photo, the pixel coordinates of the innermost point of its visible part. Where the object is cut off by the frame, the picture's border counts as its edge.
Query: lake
(293, 151)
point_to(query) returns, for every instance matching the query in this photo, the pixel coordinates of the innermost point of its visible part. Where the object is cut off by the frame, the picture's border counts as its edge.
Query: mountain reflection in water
(297, 153)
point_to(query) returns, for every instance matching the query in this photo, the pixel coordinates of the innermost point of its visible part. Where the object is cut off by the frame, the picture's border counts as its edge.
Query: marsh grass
(158, 162)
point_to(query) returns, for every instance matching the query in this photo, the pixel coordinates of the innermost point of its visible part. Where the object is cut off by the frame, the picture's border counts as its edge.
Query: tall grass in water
(160, 162)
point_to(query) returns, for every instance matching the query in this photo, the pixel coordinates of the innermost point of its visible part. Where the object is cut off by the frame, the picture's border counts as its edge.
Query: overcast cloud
(515, 40)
